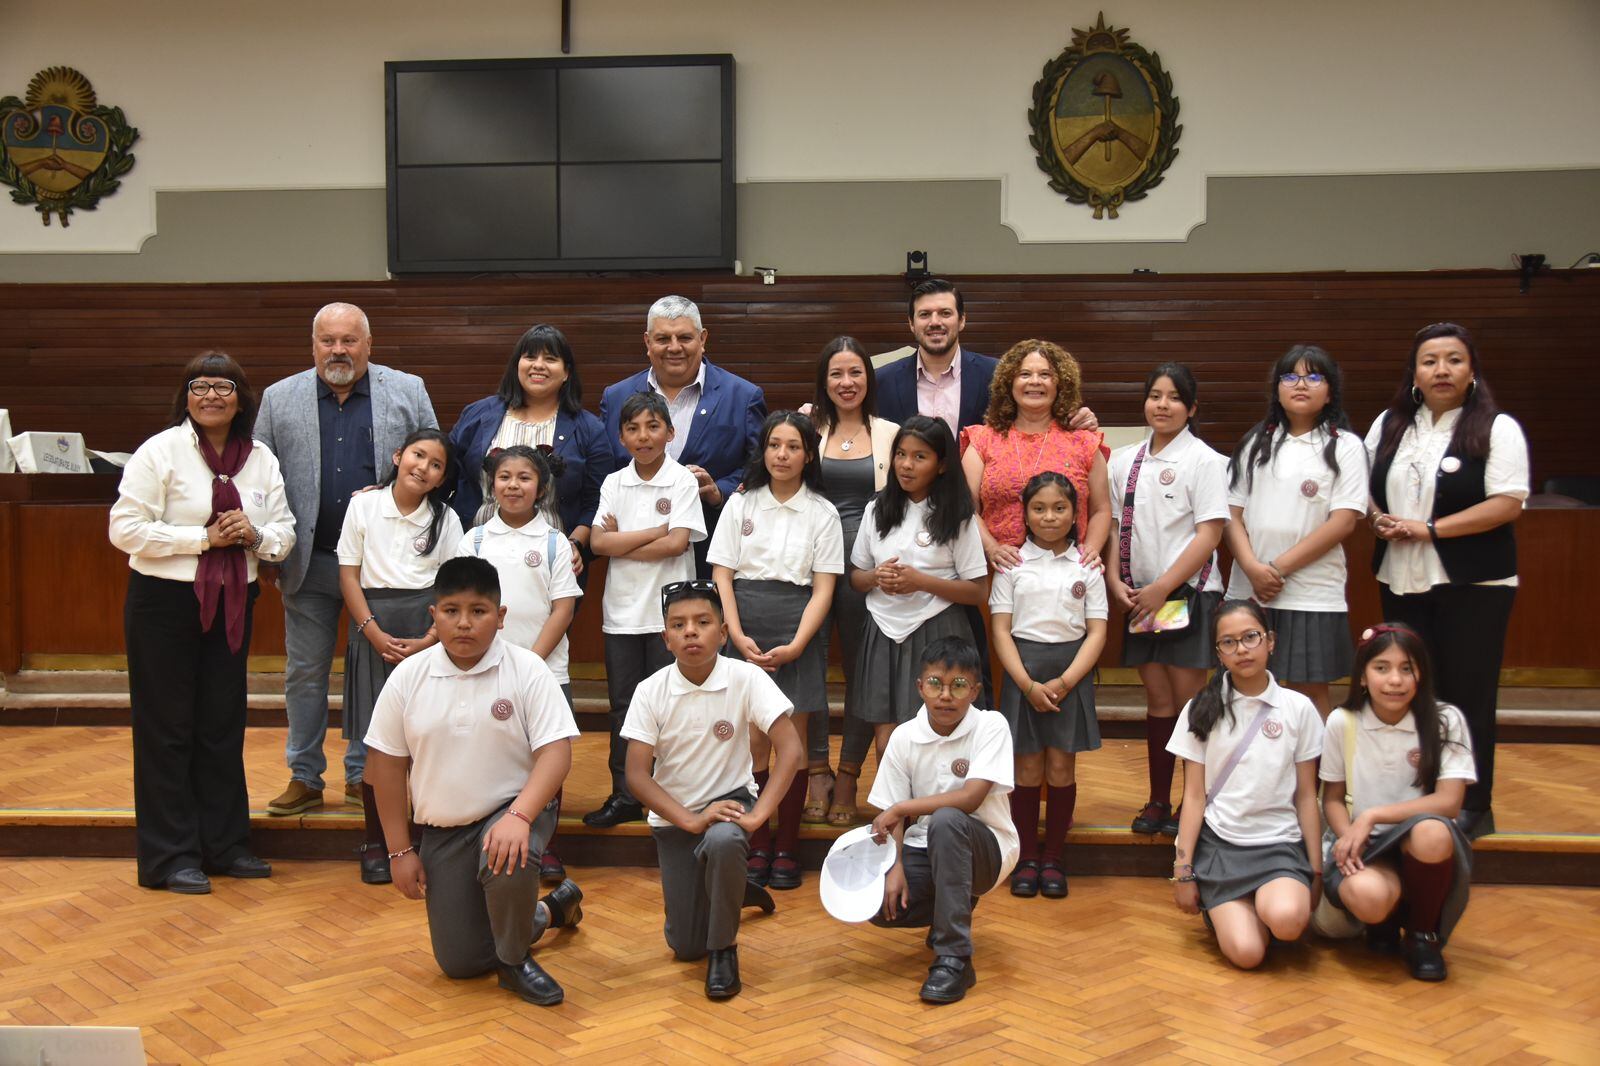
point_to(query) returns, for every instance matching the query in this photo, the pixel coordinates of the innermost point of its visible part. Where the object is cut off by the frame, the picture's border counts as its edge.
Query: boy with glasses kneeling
(942, 787)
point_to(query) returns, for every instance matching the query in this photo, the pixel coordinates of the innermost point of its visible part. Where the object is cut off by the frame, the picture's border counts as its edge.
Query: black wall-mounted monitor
(611, 163)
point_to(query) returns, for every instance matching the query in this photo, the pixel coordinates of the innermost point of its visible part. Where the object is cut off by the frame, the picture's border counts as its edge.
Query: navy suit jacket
(897, 388)
(726, 425)
(580, 441)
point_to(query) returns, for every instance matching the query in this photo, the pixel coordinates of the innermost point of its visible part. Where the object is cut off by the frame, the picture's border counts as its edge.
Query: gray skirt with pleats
(1311, 647)
(886, 671)
(769, 614)
(400, 613)
(1074, 727)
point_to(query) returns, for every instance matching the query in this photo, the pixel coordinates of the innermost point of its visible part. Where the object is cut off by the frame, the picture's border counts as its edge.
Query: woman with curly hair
(1037, 388)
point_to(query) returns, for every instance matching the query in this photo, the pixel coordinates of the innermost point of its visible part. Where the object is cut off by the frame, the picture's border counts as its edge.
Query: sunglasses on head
(677, 590)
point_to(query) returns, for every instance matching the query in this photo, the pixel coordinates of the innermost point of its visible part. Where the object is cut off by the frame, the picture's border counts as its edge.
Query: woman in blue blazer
(540, 404)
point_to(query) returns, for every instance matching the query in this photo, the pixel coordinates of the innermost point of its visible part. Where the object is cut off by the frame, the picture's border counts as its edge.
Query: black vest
(1487, 556)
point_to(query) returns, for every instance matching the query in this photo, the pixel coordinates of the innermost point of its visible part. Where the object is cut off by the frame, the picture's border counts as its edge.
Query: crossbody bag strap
(1125, 534)
(550, 550)
(1350, 720)
(1250, 733)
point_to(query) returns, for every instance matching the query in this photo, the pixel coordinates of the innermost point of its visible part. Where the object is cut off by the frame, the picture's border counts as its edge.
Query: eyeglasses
(221, 388)
(1249, 641)
(1292, 379)
(958, 688)
(674, 591)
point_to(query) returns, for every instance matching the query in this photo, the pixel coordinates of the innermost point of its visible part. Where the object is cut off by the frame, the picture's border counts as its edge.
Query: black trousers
(188, 697)
(630, 658)
(1464, 627)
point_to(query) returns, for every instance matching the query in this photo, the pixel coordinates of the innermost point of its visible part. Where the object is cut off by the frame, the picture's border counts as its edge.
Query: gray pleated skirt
(769, 613)
(1072, 728)
(1385, 843)
(1312, 647)
(400, 613)
(886, 672)
(1191, 648)
(1228, 872)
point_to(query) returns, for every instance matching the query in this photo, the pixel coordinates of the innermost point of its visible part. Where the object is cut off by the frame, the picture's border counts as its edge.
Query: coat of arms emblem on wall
(60, 149)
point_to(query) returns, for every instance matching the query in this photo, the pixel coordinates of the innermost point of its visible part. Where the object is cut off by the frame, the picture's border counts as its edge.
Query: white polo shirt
(1289, 498)
(701, 733)
(1409, 566)
(1048, 596)
(898, 616)
(386, 544)
(1386, 756)
(631, 602)
(919, 762)
(1257, 803)
(531, 579)
(760, 539)
(470, 734)
(1183, 486)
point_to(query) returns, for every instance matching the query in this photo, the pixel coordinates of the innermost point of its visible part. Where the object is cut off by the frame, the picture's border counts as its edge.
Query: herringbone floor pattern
(311, 968)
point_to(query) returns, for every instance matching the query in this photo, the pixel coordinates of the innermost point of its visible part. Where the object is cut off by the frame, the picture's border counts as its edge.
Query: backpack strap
(550, 550)
(477, 542)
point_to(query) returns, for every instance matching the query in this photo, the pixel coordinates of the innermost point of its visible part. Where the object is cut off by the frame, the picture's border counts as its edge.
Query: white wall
(289, 95)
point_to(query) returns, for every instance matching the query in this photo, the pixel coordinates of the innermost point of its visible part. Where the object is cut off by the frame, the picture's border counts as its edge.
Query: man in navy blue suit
(941, 380)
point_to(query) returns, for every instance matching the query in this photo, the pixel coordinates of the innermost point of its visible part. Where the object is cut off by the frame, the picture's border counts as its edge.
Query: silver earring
(1416, 395)
(1472, 386)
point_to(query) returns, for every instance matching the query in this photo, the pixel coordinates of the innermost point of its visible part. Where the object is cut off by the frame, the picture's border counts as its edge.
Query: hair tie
(1373, 632)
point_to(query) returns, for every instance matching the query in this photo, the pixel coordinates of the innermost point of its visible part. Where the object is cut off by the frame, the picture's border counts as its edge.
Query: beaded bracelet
(363, 625)
(407, 850)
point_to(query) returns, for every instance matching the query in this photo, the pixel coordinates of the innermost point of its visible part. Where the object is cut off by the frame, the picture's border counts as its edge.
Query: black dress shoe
(948, 979)
(529, 981)
(784, 872)
(552, 871)
(756, 896)
(189, 881)
(1475, 824)
(565, 903)
(247, 866)
(374, 865)
(1424, 957)
(614, 811)
(1052, 881)
(1025, 879)
(1149, 820)
(1169, 824)
(722, 973)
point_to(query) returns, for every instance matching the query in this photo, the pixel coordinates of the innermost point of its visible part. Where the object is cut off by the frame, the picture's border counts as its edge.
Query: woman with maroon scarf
(199, 504)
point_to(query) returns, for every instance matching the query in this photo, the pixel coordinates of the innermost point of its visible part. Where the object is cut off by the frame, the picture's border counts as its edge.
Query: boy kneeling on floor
(486, 735)
(947, 773)
(693, 720)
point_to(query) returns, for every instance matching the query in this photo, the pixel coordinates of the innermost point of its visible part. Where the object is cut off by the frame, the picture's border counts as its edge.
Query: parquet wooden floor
(312, 968)
(1541, 788)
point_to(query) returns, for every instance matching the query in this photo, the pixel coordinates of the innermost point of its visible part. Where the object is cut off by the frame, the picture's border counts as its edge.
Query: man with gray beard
(335, 429)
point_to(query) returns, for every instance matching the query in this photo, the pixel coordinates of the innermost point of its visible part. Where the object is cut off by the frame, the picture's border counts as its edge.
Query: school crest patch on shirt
(960, 767)
(1078, 590)
(533, 559)
(723, 730)
(1308, 489)
(258, 498)
(1272, 729)
(663, 506)
(1168, 476)
(501, 709)
(923, 538)
(1414, 757)
(421, 544)
(747, 527)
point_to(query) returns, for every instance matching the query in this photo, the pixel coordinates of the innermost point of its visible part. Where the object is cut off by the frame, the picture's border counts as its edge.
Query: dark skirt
(400, 613)
(1072, 728)
(769, 613)
(1190, 648)
(886, 672)
(1310, 647)
(1385, 844)
(1227, 872)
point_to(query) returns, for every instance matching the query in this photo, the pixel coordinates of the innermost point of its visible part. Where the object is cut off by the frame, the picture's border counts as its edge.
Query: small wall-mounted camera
(917, 266)
(769, 275)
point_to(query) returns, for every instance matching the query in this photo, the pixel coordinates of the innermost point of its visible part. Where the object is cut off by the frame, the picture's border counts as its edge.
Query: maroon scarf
(222, 573)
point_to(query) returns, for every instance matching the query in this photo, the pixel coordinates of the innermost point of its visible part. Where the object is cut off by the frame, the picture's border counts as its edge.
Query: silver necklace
(845, 446)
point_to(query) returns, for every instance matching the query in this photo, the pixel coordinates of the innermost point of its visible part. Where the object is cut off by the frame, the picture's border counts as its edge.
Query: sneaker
(1149, 820)
(352, 795)
(295, 799)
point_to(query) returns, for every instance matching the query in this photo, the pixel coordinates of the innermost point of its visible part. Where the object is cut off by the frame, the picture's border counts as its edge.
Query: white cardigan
(882, 431)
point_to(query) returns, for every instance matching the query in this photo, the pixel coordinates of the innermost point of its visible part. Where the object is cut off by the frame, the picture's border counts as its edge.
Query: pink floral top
(1012, 458)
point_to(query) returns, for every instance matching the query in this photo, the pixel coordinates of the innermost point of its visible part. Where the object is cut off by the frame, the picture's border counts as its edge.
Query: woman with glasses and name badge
(199, 504)
(1449, 476)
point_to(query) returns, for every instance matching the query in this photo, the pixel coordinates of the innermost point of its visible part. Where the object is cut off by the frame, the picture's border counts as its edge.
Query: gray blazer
(287, 423)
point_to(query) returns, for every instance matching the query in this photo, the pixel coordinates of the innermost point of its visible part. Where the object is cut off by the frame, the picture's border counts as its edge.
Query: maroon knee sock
(369, 804)
(1423, 887)
(1157, 732)
(761, 839)
(789, 808)
(1025, 815)
(1059, 803)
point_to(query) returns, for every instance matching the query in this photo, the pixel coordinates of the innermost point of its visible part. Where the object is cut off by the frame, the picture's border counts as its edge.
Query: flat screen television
(606, 163)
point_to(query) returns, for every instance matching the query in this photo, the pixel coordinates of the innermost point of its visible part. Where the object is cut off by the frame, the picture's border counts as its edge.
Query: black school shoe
(1424, 956)
(948, 979)
(245, 866)
(1150, 820)
(1169, 824)
(784, 872)
(552, 871)
(613, 812)
(1025, 879)
(1475, 824)
(758, 868)
(722, 973)
(190, 881)
(566, 905)
(528, 980)
(756, 896)
(1052, 881)
(374, 865)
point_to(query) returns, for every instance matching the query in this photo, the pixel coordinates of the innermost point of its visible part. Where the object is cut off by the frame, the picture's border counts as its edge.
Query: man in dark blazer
(335, 429)
(941, 379)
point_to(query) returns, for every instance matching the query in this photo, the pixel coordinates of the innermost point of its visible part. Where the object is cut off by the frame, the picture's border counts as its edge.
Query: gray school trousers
(702, 883)
(478, 919)
(945, 879)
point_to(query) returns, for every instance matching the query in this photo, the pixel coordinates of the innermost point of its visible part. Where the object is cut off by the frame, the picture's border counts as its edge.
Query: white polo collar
(536, 527)
(441, 665)
(630, 472)
(1373, 724)
(1174, 450)
(1316, 437)
(1272, 694)
(921, 731)
(766, 501)
(1031, 551)
(678, 685)
(390, 509)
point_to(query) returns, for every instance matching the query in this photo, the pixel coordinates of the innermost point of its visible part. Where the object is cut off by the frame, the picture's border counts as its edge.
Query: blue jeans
(310, 637)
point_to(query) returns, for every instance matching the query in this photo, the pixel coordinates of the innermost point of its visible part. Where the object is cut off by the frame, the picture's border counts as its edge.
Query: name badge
(1450, 464)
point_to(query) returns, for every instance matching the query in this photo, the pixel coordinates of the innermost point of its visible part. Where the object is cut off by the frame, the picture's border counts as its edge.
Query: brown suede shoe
(352, 795)
(297, 798)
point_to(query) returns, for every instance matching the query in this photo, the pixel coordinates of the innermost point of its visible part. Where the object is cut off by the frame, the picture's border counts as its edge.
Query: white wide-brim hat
(853, 873)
